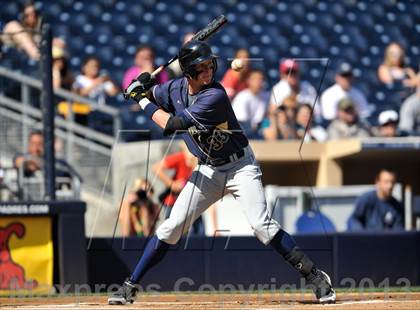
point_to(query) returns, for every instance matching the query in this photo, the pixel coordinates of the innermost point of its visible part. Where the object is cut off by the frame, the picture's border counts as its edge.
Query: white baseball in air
(237, 64)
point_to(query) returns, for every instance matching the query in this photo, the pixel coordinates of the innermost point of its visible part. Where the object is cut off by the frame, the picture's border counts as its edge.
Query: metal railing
(27, 82)
(88, 150)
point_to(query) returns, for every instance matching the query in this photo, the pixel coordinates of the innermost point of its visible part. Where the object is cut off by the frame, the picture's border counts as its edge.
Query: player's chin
(207, 79)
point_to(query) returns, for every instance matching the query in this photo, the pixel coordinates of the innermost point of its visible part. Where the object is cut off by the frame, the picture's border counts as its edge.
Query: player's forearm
(161, 118)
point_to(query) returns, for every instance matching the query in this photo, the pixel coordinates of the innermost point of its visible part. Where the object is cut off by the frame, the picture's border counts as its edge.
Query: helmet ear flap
(190, 72)
(215, 65)
(193, 53)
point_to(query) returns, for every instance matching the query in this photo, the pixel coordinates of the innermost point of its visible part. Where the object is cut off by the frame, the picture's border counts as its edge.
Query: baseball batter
(198, 108)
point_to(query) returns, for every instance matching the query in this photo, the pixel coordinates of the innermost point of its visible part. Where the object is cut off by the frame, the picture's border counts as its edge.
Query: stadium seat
(356, 31)
(337, 9)
(9, 11)
(94, 10)
(314, 222)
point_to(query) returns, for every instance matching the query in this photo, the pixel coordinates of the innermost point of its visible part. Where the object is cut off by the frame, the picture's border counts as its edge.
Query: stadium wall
(363, 259)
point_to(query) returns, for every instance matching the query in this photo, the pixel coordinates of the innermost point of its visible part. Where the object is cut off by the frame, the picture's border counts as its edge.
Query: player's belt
(223, 161)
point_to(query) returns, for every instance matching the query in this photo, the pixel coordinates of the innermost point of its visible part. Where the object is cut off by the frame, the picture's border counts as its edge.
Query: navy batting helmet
(193, 53)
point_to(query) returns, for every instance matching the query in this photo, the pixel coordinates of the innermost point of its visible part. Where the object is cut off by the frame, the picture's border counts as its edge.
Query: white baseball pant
(208, 184)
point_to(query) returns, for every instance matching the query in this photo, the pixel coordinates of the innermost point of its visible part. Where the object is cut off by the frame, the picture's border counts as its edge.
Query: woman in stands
(91, 83)
(144, 61)
(393, 69)
(61, 73)
(24, 34)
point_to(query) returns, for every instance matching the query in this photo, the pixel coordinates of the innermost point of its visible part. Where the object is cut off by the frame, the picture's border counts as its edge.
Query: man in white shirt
(250, 104)
(343, 88)
(410, 114)
(290, 84)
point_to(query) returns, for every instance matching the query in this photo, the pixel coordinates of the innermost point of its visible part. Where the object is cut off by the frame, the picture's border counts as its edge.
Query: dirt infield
(233, 301)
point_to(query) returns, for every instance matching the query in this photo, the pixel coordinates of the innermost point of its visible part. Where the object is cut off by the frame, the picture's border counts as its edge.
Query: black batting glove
(138, 88)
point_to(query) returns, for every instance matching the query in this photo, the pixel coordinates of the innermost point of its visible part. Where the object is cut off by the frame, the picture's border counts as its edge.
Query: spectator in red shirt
(234, 81)
(183, 164)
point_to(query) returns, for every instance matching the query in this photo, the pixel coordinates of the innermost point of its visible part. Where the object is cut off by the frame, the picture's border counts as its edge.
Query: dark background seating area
(325, 33)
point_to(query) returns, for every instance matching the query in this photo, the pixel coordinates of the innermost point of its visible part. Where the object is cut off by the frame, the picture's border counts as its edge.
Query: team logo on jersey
(217, 140)
(210, 141)
(193, 131)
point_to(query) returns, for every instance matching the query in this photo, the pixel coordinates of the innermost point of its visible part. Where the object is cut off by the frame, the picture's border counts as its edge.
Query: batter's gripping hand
(138, 88)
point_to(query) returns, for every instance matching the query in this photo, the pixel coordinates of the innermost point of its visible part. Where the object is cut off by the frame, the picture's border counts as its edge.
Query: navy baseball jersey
(213, 130)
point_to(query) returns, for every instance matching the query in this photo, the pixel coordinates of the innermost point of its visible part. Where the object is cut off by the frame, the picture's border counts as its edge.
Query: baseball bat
(202, 35)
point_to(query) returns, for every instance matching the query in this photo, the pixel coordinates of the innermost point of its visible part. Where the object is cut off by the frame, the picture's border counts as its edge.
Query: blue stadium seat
(77, 19)
(9, 11)
(350, 54)
(105, 54)
(90, 50)
(246, 21)
(136, 10)
(122, 6)
(337, 9)
(76, 45)
(297, 9)
(78, 6)
(94, 10)
(61, 31)
(162, 22)
(119, 43)
(314, 222)
(65, 4)
(76, 63)
(285, 21)
(52, 12)
(377, 10)
(106, 3)
(357, 31)
(326, 20)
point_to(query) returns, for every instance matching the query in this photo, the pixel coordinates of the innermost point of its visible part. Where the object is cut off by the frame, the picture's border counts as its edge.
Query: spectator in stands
(92, 84)
(303, 119)
(182, 165)
(281, 123)
(144, 61)
(24, 34)
(234, 81)
(32, 161)
(290, 84)
(388, 124)
(250, 104)
(347, 123)
(378, 209)
(393, 69)
(139, 213)
(62, 76)
(410, 113)
(341, 89)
